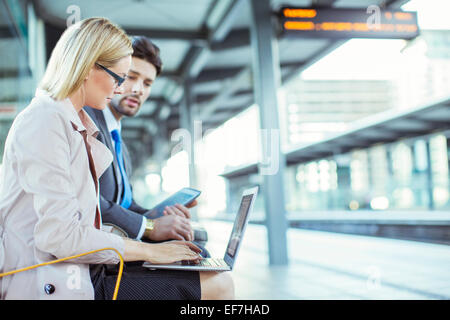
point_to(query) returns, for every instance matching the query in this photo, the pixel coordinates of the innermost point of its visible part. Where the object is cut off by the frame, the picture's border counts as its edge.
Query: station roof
(203, 43)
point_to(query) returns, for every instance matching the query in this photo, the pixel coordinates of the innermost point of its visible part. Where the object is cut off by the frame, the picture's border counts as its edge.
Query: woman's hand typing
(160, 253)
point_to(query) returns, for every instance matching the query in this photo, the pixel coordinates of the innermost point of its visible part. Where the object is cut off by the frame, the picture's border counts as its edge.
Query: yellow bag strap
(119, 276)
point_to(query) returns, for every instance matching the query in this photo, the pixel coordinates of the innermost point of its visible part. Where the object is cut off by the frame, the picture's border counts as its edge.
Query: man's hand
(179, 210)
(191, 204)
(171, 227)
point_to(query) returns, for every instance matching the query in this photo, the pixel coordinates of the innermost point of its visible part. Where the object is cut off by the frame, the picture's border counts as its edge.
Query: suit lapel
(107, 139)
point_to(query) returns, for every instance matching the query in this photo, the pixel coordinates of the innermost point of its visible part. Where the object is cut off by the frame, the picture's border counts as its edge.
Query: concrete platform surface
(332, 266)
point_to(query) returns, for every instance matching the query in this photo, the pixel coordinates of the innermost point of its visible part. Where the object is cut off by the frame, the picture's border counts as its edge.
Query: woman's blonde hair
(80, 46)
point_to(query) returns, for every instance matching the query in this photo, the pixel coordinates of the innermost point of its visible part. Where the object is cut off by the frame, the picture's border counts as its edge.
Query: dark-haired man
(116, 200)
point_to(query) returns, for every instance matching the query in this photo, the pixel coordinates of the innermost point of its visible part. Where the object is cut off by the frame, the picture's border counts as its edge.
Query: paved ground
(335, 266)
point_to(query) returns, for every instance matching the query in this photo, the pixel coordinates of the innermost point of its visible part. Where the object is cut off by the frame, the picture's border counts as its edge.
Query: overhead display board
(337, 23)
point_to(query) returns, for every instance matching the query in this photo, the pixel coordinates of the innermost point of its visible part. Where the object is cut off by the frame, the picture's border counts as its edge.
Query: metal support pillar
(160, 147)
(430, 184)
(186, 121)
(266, 79)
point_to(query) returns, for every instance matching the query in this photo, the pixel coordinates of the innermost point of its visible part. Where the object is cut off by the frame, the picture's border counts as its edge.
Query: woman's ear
(89, 73)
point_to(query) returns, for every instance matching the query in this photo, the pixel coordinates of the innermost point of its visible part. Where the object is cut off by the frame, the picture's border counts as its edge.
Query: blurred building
(317, 108)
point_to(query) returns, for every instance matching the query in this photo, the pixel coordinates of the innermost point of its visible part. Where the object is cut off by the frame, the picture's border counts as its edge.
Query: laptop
(237, 233)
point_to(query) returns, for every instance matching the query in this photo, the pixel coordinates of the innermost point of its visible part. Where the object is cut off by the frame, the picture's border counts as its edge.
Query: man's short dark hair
(145, 49)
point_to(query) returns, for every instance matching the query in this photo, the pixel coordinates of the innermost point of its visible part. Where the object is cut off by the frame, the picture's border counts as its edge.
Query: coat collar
(82, 122)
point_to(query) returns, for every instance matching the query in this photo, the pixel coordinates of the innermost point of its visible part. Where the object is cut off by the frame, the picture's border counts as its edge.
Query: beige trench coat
(48, 203)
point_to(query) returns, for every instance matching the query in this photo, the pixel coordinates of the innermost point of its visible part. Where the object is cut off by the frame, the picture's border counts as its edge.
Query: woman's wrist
(135, 250)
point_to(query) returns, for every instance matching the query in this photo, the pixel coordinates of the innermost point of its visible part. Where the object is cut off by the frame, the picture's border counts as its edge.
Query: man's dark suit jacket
(129, 220)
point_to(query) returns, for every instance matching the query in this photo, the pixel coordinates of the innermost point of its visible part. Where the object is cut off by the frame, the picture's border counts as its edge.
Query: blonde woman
(49, 179)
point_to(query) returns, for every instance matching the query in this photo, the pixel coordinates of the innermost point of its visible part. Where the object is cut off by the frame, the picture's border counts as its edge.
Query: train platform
(334, 266)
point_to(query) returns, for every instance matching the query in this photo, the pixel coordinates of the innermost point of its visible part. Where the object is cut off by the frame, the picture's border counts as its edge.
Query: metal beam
(16, 26)
(198, 55)
(13, 74)
(193, 62)
(169, 74)
(231, 85)
(222, 29)
(215, 35)
(193, 36)
(6, 32)
(214, 74)
(236, 38)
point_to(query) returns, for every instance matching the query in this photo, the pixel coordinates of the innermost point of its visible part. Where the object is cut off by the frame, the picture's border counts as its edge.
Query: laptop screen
(239, 224)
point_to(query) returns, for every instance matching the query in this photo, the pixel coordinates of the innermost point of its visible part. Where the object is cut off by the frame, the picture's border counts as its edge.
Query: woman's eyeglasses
(118, 78)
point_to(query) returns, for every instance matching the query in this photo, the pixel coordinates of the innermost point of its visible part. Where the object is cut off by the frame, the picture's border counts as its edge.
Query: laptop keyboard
(209, 262)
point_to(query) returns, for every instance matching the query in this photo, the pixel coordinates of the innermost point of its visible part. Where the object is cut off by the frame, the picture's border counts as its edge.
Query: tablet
(183, 197)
